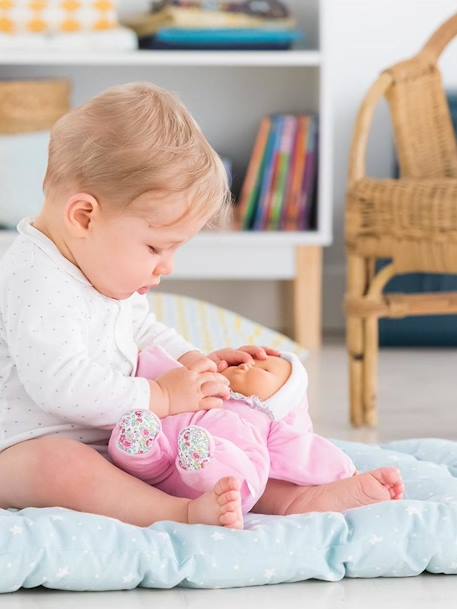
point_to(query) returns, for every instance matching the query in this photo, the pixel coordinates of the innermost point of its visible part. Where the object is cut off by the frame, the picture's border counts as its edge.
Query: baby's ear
(80, 211)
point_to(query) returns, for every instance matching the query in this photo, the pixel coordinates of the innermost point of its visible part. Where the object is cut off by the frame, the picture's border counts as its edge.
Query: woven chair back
(424, 134)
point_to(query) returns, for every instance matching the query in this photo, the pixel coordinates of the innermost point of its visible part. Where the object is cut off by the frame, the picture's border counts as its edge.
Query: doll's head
(262, 378)
(276, 380)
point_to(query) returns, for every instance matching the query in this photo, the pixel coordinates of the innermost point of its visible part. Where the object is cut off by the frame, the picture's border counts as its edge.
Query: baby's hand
(196, 389)
(192, 358)
(246, 354)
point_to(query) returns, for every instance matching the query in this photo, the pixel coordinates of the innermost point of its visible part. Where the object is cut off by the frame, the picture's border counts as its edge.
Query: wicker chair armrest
(421, 208)
(440, 39)
(364, 120)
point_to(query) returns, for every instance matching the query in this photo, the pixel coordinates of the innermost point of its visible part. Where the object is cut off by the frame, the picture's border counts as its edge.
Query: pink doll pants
(185, 455)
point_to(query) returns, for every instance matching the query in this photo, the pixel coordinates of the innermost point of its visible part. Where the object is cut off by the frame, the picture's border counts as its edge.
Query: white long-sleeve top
(68, 354)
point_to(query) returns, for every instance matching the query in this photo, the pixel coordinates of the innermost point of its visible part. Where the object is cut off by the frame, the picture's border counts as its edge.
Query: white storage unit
(228, 92)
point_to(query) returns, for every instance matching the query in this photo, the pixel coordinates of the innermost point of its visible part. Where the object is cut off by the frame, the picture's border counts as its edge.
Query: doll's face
(262, 378)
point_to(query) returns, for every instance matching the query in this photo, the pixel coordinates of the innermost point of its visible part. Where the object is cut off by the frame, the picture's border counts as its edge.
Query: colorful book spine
(279, 190)
(308, 178)
(284, 162)
(292, 211)
(268, 212)
(251, 184)
(268, 173)
(312, 196)
(290, 174)
(266, 216)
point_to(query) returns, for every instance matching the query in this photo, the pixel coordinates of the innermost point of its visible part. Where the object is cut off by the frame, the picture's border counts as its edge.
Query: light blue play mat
(67, 550)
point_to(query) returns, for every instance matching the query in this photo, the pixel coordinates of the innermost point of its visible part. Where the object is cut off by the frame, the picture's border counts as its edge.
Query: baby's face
(130, 251)
(262, 378)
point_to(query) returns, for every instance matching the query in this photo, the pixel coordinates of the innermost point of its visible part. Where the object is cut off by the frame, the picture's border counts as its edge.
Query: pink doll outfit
(186, 454)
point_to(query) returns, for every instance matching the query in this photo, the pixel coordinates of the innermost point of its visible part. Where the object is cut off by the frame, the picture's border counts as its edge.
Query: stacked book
(279, 189)
(216, 24)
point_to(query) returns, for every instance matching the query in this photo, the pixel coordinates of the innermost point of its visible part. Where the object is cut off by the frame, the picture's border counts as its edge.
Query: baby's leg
(50, 471)
(285, 498)
(138, 446)
(203, 458)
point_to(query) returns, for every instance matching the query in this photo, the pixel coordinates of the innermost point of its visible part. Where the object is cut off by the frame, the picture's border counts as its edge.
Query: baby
(130, 179)
(263, 431)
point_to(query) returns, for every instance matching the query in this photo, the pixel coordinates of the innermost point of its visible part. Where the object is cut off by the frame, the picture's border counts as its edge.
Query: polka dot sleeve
(47, 334)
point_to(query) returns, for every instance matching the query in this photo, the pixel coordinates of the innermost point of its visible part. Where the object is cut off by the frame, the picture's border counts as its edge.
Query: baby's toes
(232, 516)
(397, 491)
(391, 478)
(230, 512)
(228, 496)
(226, 485)
(387, 476)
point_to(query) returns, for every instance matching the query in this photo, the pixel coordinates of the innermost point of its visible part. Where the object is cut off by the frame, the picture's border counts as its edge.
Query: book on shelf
(284, 161)
(292, 211)
(251, 185)
(268, 176)
(221, 39)
(280, 186)
(182, 15)
(266, 25)
(310, 178)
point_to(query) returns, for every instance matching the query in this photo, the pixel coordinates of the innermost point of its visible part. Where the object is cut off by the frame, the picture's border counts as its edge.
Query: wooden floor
(417, 394)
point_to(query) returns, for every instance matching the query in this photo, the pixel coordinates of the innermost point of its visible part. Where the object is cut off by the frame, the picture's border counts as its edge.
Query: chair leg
(354, 338)
(357, 275)
(374, 294)
(370, 372)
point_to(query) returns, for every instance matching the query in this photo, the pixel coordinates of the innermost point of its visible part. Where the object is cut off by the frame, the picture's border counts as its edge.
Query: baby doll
(263, 431)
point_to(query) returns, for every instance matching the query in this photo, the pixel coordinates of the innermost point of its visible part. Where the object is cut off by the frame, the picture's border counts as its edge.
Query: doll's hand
(246, 354)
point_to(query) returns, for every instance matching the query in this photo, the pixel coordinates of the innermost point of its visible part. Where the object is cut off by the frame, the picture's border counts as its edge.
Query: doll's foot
(137, 431)
(221, 506)
(383, 484)
(194, 448)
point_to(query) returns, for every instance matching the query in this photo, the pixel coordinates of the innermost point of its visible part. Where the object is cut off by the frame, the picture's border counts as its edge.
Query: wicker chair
(411, 221)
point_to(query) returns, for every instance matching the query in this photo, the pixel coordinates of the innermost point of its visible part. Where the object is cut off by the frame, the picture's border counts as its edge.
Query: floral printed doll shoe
(194, 448)
(138, 430)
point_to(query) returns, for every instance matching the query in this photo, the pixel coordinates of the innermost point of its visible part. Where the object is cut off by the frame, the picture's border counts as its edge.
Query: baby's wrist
(159, 401)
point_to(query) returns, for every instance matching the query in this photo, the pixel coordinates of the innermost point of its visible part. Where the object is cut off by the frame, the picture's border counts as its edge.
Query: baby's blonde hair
(132, 139)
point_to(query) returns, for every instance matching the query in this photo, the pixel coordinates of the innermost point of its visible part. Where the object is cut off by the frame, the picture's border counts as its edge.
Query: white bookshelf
(164, 58)
(228, 92)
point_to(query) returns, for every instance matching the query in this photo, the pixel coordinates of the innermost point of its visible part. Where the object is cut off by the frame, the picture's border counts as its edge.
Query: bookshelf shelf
(253, 255)
(228, 92)
(232, 238)
(310, 58)
(262, 238)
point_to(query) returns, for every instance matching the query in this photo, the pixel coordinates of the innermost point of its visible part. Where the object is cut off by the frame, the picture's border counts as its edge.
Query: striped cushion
(209, 327)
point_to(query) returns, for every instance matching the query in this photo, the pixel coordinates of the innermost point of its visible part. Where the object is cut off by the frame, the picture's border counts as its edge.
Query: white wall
(367, 36)
(364, 37)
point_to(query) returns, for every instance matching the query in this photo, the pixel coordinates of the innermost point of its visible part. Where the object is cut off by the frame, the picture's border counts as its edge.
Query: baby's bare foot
(388, 480)
(221, 506)
(383, 484)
